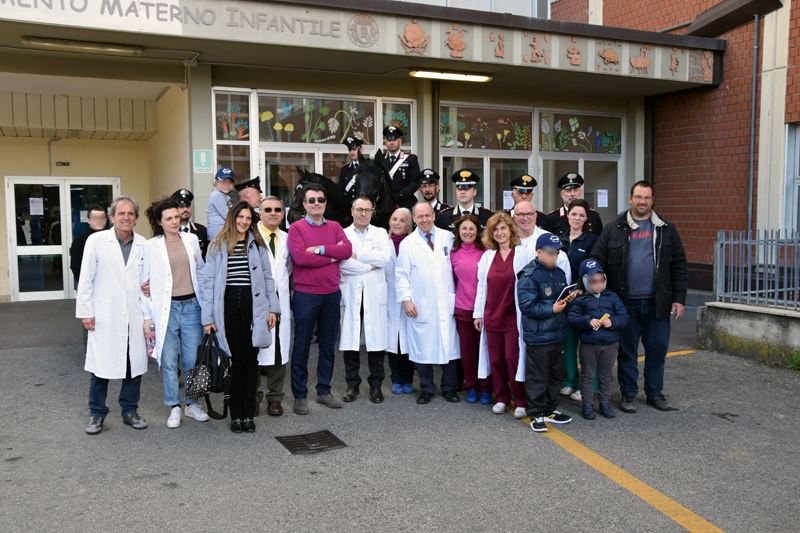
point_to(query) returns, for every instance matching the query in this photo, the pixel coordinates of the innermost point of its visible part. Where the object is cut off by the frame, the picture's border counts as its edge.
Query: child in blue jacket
(544, 329)
(599, 336)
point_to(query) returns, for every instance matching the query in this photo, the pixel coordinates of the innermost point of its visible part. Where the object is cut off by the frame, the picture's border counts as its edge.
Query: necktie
(272, 243)
(186, 229)
(392, 159)
(430, 242)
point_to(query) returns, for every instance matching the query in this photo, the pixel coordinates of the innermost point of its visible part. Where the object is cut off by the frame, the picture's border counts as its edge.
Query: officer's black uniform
(556, 221)
(431, 176)
(348, 171)
(447, 218)
(404, 180)
(184, 198)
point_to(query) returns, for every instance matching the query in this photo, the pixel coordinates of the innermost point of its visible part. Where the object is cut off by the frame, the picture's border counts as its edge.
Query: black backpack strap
(226, 396)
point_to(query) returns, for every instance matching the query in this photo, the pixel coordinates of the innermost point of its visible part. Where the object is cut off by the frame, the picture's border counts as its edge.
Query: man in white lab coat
(364, 300)
(426, 289)
(526, 216)
(108, 303)
(276, 358)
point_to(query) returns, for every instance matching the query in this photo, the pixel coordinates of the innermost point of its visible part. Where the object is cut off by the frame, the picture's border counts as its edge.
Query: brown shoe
(300, 406)
(375, 395)
(275, 408)
(329, 401)
(258, 408)
(351, 394)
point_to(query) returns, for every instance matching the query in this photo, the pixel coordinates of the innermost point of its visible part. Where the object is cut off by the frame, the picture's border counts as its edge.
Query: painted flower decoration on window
(333, 124)
(353, 109)
(310, 106)
(358, 135)
(289, 128)
(266, 116)
(573, 123)
(278, 126)
(324, 110)
(368, 122)
(557, 126)
(544, 126)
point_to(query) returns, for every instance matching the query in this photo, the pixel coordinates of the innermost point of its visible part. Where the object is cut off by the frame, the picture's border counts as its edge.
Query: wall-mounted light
(60, 45)
(450, 76)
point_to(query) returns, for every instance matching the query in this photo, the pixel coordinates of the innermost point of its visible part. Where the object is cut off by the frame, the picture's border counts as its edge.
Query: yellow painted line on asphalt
(680, 514)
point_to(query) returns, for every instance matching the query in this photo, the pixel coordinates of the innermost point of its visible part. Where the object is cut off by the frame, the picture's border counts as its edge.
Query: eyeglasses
(640, 198)
(525, 215)
(320, 200)
(275, 209)
(364, 210)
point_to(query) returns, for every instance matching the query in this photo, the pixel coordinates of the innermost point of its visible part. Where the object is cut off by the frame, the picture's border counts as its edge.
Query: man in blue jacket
(597, 317)
(544, 329)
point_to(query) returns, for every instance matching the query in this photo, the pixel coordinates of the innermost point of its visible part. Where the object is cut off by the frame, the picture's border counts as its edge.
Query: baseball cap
(550, 242)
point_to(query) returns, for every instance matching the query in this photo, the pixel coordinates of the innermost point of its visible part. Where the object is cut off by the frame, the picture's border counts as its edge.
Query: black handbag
(215, 366)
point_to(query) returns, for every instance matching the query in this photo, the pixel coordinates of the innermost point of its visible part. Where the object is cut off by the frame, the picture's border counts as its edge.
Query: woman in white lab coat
(173, 264)
(363, 289)
(502, 349)
(402, 369)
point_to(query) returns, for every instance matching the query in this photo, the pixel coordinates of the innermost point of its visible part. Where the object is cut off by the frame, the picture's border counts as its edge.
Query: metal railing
(761, 268)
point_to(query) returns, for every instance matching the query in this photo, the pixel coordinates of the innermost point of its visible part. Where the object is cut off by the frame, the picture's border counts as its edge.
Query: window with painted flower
(566, 132)
(484, 129)
(314, 120)
(232, 116)
(399, 114)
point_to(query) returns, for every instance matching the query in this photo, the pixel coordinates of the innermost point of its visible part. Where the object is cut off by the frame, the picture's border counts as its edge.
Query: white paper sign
(37, 206)
(508, 200)
(602, 197)
(84, 216)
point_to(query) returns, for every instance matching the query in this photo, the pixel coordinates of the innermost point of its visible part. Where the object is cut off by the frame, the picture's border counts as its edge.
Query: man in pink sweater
(316, 245)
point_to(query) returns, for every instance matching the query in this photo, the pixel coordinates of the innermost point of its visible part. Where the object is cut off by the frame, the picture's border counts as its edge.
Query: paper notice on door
(37, 206)
(84, 216)
(602, 197)
(508, 200)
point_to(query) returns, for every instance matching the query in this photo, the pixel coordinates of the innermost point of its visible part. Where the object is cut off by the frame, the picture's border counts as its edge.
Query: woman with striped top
(242, 306)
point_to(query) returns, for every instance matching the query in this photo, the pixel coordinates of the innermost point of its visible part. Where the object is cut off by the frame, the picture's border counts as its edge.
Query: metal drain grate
(321, 441)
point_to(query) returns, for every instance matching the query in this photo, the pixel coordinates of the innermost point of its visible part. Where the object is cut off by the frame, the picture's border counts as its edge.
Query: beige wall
(168, 150)
(28, 157)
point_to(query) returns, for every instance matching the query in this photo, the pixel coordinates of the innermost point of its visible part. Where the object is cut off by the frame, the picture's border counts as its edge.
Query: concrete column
(596, 12)
(201, 135)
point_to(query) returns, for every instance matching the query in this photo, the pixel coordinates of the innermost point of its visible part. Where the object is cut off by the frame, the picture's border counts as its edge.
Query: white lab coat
(395, 314)
(109, 290)
(562, 262)
(522, 256)
(157, 270)
(425, 277)
(281, 265)
(363, 284)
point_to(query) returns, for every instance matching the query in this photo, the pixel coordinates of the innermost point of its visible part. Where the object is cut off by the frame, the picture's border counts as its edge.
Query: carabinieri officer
(403, 168)
(466, 188)
(522, 191)
(429, 187)
(347, 180)
(556, 222)
(184, 198)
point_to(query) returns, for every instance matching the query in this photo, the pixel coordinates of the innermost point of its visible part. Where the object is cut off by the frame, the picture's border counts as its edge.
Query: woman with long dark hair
(242, 306)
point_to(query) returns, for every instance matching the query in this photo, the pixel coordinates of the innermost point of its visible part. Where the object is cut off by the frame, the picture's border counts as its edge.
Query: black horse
(371, 180)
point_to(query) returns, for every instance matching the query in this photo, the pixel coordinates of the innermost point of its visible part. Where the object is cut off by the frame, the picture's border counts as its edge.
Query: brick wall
(793, 72)
(652, 16)
(570, 11)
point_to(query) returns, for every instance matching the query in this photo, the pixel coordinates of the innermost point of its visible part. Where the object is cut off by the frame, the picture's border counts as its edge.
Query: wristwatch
(317, 250)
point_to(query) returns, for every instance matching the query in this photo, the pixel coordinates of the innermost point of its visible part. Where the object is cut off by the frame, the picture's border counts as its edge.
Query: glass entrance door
(45, 214)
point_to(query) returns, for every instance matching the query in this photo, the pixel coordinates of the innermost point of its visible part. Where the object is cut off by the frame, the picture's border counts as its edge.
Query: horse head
(373, 181)
(334, 207)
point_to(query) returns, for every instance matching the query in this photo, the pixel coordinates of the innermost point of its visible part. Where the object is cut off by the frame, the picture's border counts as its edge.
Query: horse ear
(379, 157)
(303, 173)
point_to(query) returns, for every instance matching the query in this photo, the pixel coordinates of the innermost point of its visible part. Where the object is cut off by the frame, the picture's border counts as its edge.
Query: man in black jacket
(184, 198)
(97, 220)
(645, 262)
(403, 168)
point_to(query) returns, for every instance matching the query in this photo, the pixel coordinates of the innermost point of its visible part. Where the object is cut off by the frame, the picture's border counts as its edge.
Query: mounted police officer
(466, 188)
(347, 180)
(184, 198)
(571, 185)
(429, 187)
(403, 168)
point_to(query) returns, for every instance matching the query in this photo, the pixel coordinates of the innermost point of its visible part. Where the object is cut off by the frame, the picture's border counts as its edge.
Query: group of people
(506, 303)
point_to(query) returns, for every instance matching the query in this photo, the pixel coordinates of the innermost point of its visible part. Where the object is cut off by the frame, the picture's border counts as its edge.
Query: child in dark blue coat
(544, 328)
(597, 316)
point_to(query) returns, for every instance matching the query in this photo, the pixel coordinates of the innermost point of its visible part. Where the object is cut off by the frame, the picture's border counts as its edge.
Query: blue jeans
(307, 310)
(184, 335)
(654, 334)
(128, 394)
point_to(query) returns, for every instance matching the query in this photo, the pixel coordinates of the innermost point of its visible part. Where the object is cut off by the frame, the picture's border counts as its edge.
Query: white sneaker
(196, 412)
(174, 419)
(520, 412)
(576, 395)
(567, 390)
(499, 408)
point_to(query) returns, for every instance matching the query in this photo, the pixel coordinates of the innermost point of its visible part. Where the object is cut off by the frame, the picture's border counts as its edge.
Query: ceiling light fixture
(450, 76)
(59, 45)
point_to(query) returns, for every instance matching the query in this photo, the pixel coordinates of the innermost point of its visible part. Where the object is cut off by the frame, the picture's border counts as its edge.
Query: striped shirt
(238, 267)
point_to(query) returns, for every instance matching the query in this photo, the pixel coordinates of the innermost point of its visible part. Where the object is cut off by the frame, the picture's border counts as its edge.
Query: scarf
(397, 239)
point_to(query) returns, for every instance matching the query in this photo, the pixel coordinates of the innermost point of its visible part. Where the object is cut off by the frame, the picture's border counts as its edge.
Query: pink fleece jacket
(317, 274)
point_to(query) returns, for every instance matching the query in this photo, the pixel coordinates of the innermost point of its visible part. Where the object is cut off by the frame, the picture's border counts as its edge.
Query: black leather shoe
(351, 394)
(451, 396)
(236, 425)
(249, 425)
(375, 395)
(424, 397)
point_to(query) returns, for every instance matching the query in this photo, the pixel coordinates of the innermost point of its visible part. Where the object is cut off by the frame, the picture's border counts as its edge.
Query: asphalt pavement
(727, 454)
